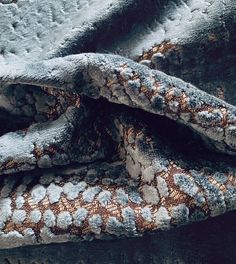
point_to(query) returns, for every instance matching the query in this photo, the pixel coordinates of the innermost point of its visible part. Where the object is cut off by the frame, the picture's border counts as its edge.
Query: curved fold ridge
(123, 81)
(101, 200)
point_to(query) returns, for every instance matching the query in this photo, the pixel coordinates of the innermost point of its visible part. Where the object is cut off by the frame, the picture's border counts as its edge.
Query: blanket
(118, 118)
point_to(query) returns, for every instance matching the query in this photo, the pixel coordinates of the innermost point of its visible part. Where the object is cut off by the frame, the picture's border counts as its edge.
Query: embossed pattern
(109, 145)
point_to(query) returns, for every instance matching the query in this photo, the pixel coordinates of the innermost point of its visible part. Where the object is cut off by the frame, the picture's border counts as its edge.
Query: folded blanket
(118, 118)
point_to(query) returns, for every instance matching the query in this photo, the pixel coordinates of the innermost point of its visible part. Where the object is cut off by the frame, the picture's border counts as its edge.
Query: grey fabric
(211, 241)
(118, 118)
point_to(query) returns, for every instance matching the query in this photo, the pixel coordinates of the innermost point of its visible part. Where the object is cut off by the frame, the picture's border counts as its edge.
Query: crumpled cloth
(117, 118)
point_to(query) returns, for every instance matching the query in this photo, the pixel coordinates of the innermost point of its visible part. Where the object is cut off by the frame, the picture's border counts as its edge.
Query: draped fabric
(118, 118)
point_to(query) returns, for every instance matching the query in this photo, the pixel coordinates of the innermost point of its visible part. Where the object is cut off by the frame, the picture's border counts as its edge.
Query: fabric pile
(118, 118)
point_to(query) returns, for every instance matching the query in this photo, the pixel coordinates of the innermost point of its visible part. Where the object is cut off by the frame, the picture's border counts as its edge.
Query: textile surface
(118, 118)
